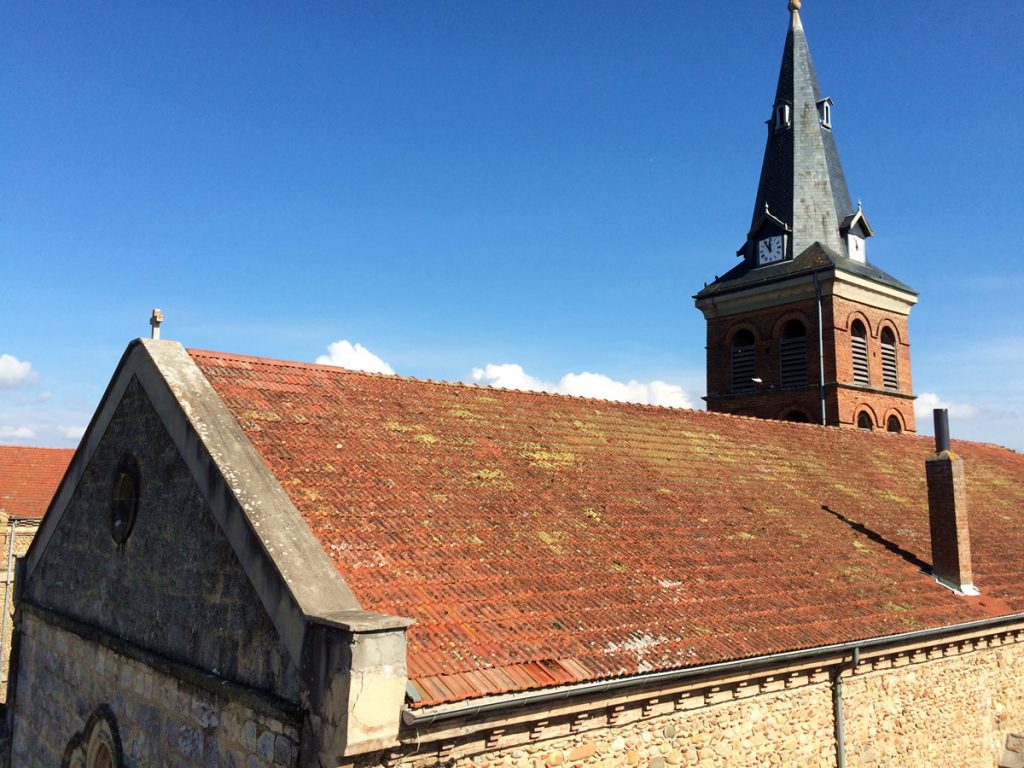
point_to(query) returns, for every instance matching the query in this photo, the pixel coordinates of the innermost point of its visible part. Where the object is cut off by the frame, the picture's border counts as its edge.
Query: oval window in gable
(124, 499)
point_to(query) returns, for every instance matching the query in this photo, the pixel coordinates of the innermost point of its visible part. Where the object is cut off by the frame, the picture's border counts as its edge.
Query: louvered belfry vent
(793, 360)
(859, 348)
(744, 367)
(793, 355)
(890, 379)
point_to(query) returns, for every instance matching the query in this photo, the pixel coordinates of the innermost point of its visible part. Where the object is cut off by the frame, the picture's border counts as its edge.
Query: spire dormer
(855, 230)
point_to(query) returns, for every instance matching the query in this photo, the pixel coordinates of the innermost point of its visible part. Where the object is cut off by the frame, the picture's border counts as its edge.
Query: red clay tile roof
(29, 477)
(540, 539)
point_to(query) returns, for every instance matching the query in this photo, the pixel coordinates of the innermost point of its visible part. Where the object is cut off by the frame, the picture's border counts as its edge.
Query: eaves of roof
(816, 258)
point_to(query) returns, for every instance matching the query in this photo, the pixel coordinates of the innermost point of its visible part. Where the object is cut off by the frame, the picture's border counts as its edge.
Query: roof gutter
(516, 700)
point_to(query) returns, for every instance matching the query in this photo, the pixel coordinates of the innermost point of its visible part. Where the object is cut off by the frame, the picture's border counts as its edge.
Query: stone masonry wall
(22, 539)
(954, 711)
(175, 586)
(951, 706)
(162, 720)
(785, 728)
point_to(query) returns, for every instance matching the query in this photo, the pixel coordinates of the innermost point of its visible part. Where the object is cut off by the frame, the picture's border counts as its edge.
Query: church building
(253, 562)
(805, 327)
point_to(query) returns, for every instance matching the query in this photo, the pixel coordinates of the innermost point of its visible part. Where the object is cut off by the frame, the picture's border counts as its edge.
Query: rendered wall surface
(175, 587)
(161, 719)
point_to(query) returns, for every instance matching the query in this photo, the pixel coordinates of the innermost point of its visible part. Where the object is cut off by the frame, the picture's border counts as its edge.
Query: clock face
(769, 250)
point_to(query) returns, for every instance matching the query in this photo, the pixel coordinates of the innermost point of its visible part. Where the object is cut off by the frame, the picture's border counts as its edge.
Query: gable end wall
(175, 587)
(164, 714)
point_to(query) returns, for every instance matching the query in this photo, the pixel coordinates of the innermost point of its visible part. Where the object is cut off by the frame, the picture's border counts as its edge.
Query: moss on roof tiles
(524, 529)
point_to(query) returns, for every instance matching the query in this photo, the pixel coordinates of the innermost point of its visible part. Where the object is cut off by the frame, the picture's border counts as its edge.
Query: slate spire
(802, 182)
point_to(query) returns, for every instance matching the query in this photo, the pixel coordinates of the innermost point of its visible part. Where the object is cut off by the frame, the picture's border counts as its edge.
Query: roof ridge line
(437, 382)
(337, 369)
(36, 447)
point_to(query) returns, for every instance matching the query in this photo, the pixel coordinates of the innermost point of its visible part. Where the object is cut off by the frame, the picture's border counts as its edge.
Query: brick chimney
(947, 513)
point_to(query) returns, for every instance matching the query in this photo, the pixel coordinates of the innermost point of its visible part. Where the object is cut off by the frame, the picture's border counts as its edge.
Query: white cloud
(509, 376)
(72, 433)
(355, 357)
(928, 401)
(14, 372)
(598, 385)
(8, 432)
(586, 384)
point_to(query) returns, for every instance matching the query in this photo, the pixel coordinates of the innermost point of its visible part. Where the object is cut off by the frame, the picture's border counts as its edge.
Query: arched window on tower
(890, 376)
(859, 348)
(892, 424)
(793, 355)
(864, 421)
(743, 365)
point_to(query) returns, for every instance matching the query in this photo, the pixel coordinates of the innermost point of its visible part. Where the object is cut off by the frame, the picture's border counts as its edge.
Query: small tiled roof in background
(538, 539)
(29, 477)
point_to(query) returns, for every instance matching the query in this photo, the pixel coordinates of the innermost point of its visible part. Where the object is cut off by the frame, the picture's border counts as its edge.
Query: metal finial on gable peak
(154, 321)
(859, 206)
(794, 6)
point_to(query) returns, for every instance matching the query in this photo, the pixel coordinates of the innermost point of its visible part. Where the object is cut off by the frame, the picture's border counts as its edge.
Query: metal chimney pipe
(941, 429)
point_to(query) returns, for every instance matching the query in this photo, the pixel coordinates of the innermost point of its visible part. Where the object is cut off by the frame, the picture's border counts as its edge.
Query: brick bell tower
(805, 328)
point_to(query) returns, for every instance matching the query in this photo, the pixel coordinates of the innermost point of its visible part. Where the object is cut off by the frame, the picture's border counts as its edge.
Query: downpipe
(838, 715)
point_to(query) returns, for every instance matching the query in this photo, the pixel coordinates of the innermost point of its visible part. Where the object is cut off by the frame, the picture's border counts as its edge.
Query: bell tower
(805, 327)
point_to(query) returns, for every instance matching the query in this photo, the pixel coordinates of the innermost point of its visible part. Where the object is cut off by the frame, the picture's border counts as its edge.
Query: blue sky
(457, 185)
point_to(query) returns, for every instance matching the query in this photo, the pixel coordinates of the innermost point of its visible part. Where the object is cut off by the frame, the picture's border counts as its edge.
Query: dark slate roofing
(539, 539)
(802, 186)
(814, 258)
(802, 180)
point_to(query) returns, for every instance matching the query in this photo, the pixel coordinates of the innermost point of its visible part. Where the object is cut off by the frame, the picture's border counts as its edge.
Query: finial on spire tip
(794, 5)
